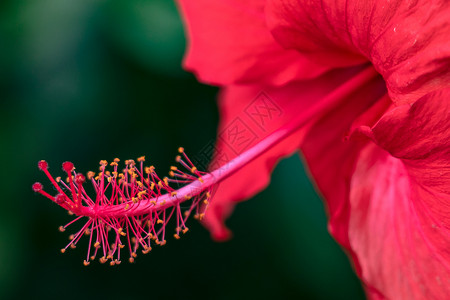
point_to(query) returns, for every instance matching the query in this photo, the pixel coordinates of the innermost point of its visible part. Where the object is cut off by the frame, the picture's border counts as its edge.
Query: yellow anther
(97, 244)
(147, 250)
(109, 256)
(92, 257)
(96, 177)
(152, 186)
(160, 221)
(171, 174)
(193, 169)
(127, 206)
(109, 179)
(187, 213)
(87, 232)
(185, 230)
(205, 201)
(121, 246)
(187, 197)
(166, 180)
(208, 195)
(139, 183)
(160, 184)
(115, 174)
(102, 260)
(134, 254)
(181, 150)
(149, 170)
(173, 194)
(90, 175)
(120, 231)
(61, 228)
(131, 260)
(172, 168)
(116, 160)
(134, 199)
(131, 171)
(177, 158)
(113, 164)
(86, 263)
(103, 162)
(153, 202)
(141, 159)
(117, 261)
(70, 213)
(200, 179)
(108, 173)
(162, 202)
(162, 243)
(176, 236)
(71, 237)
(72, 246)
(63, 250)
(58, 179)
(201, 216)
(121, 175)
(112, 263)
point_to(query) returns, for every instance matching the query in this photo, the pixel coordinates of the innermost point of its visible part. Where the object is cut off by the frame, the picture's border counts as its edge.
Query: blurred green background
(89, 80)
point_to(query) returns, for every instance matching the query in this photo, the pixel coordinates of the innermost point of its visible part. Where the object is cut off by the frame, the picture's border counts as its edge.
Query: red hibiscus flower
(362, 89)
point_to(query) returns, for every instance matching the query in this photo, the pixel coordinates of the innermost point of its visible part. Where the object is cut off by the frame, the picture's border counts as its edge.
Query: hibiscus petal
(228, 42)
(407, 41)
(243, 112)
(401, 200)
(391, 210)
(331, 157)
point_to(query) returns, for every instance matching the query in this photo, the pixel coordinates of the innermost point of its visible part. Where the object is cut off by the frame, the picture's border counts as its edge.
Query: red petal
(392, 210)
(228, 42)
(416, 216)
(407, 41)
(331, 157)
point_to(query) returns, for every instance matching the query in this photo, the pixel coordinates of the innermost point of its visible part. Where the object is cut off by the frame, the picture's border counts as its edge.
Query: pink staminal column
(134, 206)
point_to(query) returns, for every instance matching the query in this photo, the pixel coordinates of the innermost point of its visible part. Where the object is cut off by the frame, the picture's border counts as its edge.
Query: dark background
(89, 80)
